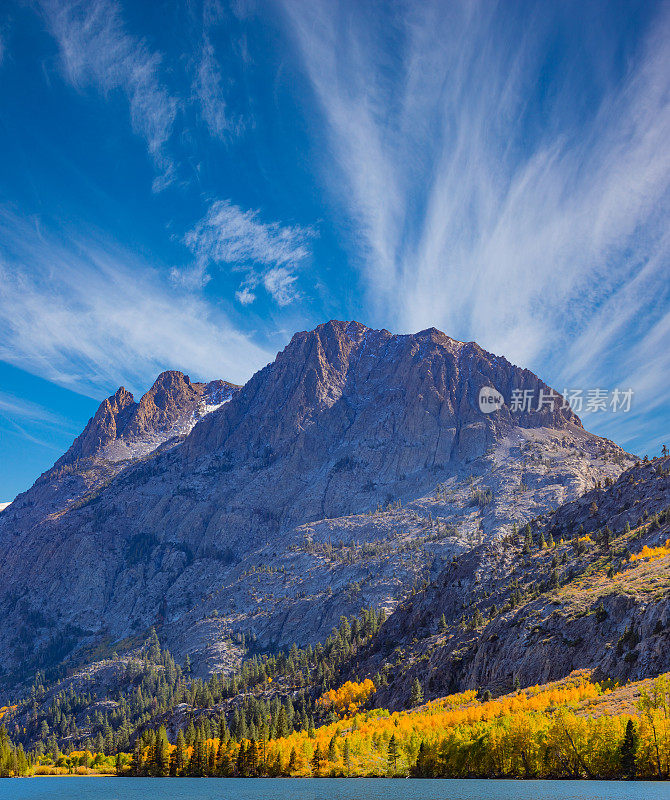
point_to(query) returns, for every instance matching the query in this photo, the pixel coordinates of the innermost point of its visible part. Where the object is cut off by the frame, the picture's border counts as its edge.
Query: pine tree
(332, 750)
(196, 765)
(292, 761)
(317, 758)
(282, 724)
(136, 761)
(416, 695)
(225, 768)
(629, 750)
(162, 750)
(346, 756)
(181, 755)
(154, 648)
(393, 753)
(240, 764)
(420, 770)
(252, 759)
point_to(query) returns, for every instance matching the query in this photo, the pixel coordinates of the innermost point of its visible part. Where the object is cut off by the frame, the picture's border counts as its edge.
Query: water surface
(322, 789)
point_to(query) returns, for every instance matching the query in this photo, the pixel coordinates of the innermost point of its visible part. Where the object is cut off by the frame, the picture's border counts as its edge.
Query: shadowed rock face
(346, 418)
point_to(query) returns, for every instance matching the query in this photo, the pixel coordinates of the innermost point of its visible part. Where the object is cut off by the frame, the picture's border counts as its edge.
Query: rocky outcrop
(108, 424)
(338, 477)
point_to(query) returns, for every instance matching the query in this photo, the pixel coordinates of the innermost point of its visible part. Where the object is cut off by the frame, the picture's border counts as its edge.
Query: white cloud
(245, 296)
(268, 253)
(474, 213)
(37, 417)
(221, 122)
(26, 409)
(279, 282)
(96, 50)
(91, 317)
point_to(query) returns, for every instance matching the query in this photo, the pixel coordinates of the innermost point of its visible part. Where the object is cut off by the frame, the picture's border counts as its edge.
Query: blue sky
(184, 185)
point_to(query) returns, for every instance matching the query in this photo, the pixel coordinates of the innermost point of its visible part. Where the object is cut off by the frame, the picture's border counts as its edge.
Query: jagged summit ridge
(344, 380)
(121, 427)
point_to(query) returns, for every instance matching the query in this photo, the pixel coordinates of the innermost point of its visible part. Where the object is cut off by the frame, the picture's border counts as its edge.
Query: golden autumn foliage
(539, 732)
(348, 698)
(652, 553)
(571, 728)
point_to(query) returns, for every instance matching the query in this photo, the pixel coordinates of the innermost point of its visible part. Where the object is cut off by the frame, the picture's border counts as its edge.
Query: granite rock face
(337, 478)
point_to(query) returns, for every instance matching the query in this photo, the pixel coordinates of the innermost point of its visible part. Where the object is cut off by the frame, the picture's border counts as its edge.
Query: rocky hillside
(587, 586)
(341, 476)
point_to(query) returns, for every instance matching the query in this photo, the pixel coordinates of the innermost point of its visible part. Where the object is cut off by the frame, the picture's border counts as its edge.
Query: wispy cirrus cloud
(97, 51)
(210, 92)
(268, 253)
(493, 193)
(90, 317)
(29, 410)
(218, 53)
(17, 412)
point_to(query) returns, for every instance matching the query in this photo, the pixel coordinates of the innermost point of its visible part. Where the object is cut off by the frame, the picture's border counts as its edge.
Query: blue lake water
(323, 789)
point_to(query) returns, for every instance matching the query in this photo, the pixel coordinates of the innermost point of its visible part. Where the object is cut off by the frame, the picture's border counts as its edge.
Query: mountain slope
(592, 590)
(338, 477)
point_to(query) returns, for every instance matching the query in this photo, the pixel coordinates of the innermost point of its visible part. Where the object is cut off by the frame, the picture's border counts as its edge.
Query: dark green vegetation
(269, 696)
(13, 760)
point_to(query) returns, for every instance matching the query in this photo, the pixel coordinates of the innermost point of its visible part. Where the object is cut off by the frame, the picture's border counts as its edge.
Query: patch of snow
(209, 407)
(3, 506)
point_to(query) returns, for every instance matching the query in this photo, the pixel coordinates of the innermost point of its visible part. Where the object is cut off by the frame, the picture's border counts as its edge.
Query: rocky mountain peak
(107, 424)
(171, 395)
(353, 441)
(412, 391)
(122, 428)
